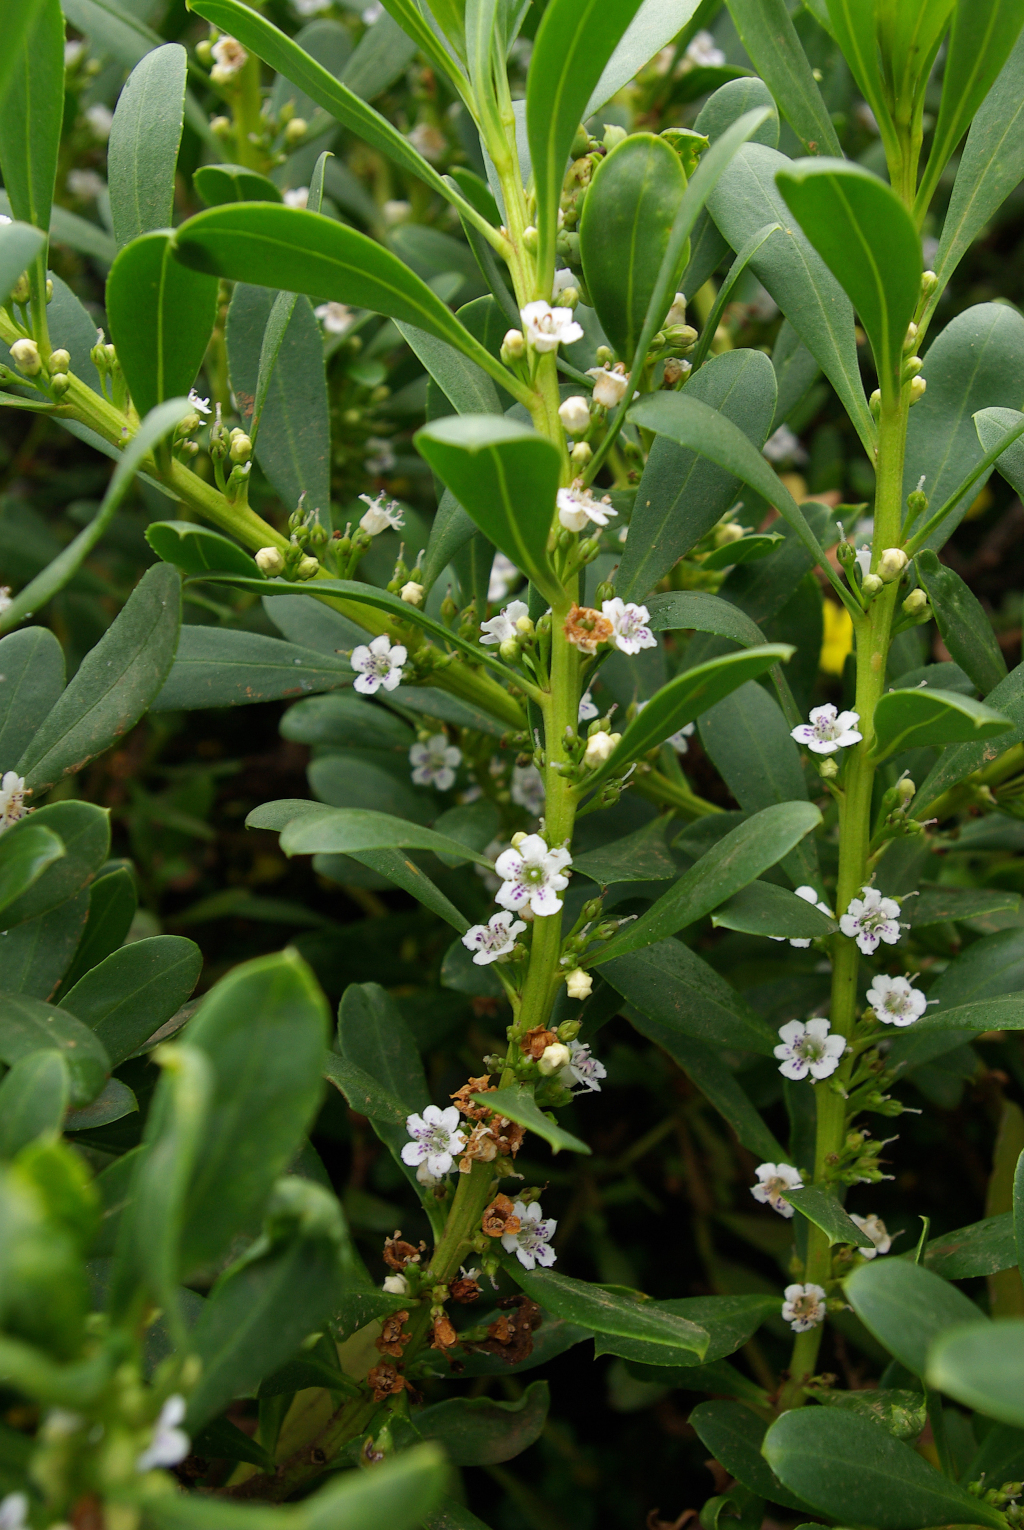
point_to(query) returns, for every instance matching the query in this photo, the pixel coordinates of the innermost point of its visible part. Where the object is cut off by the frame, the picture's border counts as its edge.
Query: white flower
(828, 730)
(532, 874)
(579, 984)
(563, 276)
(547, 328)
(862, 558)
(7, 601)
(629, 629)
(298, 196)
(870, 919)
(588, 711)
(705, 52)
(808, 1049)
(200, 405)
(100, 118)
(773, 1180)
(809, 895)
(531, 1244)
(874, 1228)
(335, 317)
(528, 789)
(411, 593)
(435, 762)
(574, 414)
(12, 799)
(229, 57)
(380, 516)
(379, 664)
(5, 219)
(894, 1001)
(85, 184)
(783, 446)
(609, 384)
(396, 1285)
(599, 748)
(866, 117)
(553, 1058)
(577, 506)
(495, 938)
(583, 1069)
(169, 1444)
(435, 1139)
(502, 628)
(804, 1306)
(13, 1511)
(504, 575)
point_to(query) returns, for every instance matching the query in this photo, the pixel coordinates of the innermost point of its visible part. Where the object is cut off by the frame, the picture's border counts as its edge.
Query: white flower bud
(910, 341)
(891, 564)
(396, 1285)
(308, 568)
(518, 838)
(59, 384)
(295, 132)
(412, 593)
(915, 603)
(269, 561)
(25, 355)
(578, 984)
(599, 748)
(60, 361)
(574, 414)
(509, 650)
(513, 345)
(241, 447)
(906, 788)
(580, 454)
(828, 769)
(871, 584)
(554, 1058)
(530, 238)
(918, 387)
(912, 366)
(525, 626)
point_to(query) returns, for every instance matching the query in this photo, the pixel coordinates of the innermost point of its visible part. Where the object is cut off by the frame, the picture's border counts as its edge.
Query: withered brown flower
(392, 1340)
(398, 1254)
(444, 1334)
(533, 1043)
(511, 1334)
(461, 1097)
(499, 1218)
(586, 628)
(481, 1145)
(464, 1289)
(385, 1380)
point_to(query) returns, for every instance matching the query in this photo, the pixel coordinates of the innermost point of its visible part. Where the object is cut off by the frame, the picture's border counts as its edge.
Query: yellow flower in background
(838, 638)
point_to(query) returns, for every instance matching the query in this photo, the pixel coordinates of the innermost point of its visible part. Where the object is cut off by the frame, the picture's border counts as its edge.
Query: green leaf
(113, 901)
(84, 831)
(852, 1469)
(768, 35)
(981, 1368)
(686, 698)
(653, 27)
(143, 147)
(629, 1314)
(683, 610)
(980, 42)
(867, 239)
(478, 1431)
(382, 54)
(217, 184)
(115, 683)
(20, 245)
(937, 904)
(820, 1206)
(671, 986)
(34, 1097)
(641, 856)
(131, 993)
(741, 857)
(37, 952)
(28, 1026)
(113, 1103)
(193, 548)
(730, 1321)
(518, 1105)
(316, 830)
(221, 1440)
(992, 425)
(747, 198)
(905, 1306)
(161, 317)
(747, 550)
(924, 719)
(398, 868)
(624, 232)
(766, 909)
(962, 622)
(24, 858)
(983, 1248)
(734, 1436)
(342, 720)
(900, 1413)
(468, 389)
(32, 666)
(1018, 1211)
(506, 476)
(959, 761)
(574, 42)
(225, 667)
(362, 1091)
(683, 493)
(33, 111)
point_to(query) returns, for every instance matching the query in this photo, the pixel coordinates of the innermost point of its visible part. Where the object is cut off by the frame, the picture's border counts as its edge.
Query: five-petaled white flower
(808, 1048)
(705, 52)
(588, 711)
(12, 799)
(630, 632)
(435, 762)
(335, 317)
(577, 506)
(13, 1511)
(773, 1180)
(875, 1229)
(200, 405)
(828, 730)
(895, 1001)
(169, 1444)
(495, 938)
(547, 328)
(296, 196)
(809, 895)
(582, 1069)
(378, 664)
(609, 384)
(532, 874)
(381, 516)
(804, 1306)
(435, 1139)
(871, 919)
(532, 1243)
(501, 628)
(528, 789)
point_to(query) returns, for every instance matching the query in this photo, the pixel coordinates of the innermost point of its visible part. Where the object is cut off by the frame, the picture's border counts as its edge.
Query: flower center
(811, 1050)
(534, 873)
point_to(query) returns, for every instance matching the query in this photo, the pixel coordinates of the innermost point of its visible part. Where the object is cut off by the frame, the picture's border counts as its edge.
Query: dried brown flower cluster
(586, 628)
(493, 1136)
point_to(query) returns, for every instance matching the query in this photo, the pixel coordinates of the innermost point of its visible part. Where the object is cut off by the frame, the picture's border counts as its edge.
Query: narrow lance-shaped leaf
(33, 111)
(143, 147)
(962, 622)
(161, 318)
(923, 719)
(770, 38)
(20, 244)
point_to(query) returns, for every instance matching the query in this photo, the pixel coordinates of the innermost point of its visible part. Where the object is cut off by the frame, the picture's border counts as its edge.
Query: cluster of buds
(104, 358)
(231, 454)
(406, 583)
(673, 341)
(1004, 1498)
(857, 1161)
(891, 568)
(896, 818)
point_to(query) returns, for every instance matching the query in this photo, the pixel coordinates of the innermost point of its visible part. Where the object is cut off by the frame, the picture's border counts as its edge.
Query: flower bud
(60, 361)
(870, 585)
(509, 650)
(875, 403)
(828, 769)
(613, 135)
(569, 297)
(513, 346)
(25, 355)
(574, 414)
(553, 1059)
(929, 282)
(308, 568)
(911, 367)
(580, 454)
(681, 337)
(599, 749)
(220, 126)
(910, 341)
(59, 384)
(396, 1285)
(412, 593)
(675, 370)
(891, 564)
(517, 839)
(906, 789)
(530, 238)
(241, 447)
(295, 132)
(917, 503)
(578, 985)
(918, 387)
(525, 626)
(916, 603)
(570, 1029)
(22, 289)
(605, 355)
(270, 561)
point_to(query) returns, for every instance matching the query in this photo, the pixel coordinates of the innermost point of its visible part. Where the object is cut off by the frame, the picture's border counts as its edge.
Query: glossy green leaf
(313, 624)
(768, 35)
(33, 111)
(161, 317)
(924, 719)
(745, 199)
(739, 858)
(867, 239)
(962, 622)
(983, 1248)
(574, 42)
(653, 27)
(729, 1320)
(217, 184)
(38, 952)
(114, 685)
(112, 900)
(32, 666)
(28, 1026)
(624, 233)
(308, 828)
(766, 909)
(852, 1469)
(630, 1314)
(143, 147)
(364, 1093)
(113, 1103)
(641, 856)
(981, 1368)
(960, 760)
(906, 1306)
(129, 995)
(346, 721)
(734, 1435)
(193, 548)
(898, 1412)
(682, 610)
(380, 57)
(506, 477)
(479, 1431)
(225, 667)
(468, 389)
(519, 1105)
(938, 904)
(819, 1205)
(992, 425)
(84, 831)
(749, 549)
(20, 245)
(34, 1097)
(682, 493)
(672, 987)
(24, 858)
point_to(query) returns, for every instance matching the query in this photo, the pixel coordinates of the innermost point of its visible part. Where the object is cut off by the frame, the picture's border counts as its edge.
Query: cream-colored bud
(871, 584)
(241, 447)
(270, 561)
(677, 313)
(891, 564)
(553, 1058)
(574, 414)
(518, 838)
(613, 135)
(25, 355)
(308, 568)
(569, 297)
(906, 788)
(912, 366)
(531, 238)
(513, 346)
(579, 983)
(220, 126)
(599, 748)
(910, 340)
(60, 361)
(296, 130)
(412, 593)
(59, 384)
(918, 388)
(525, 626)
(396, 1285)
(509, 650)
(915, 603)
(828, 769)
(580, 454)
